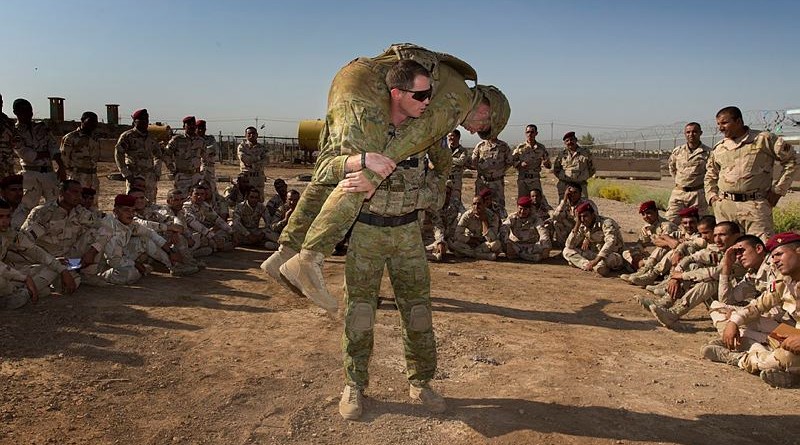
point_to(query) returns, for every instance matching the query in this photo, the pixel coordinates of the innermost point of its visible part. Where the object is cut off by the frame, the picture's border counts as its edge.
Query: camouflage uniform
(461, 161)
(491, 160)
(8, 140)
(527, 237)
(183, 158)
(80, 153)
(125, 246)
(445, 220)
(201, 219)
(357, 121)
(23, 247)
(208, 162)
(647, 235)
(247, 221)
(563, 219)
(575, 166)
(18, 216)
(233, 195)
(740, 172)
(688, 167)
(39, 178)
(158, 218)
(274, 204)
(387, 235)
(605, 241)
(252, 162)
(529, 178)
(758, 357)
(138, 154)
(469, 239)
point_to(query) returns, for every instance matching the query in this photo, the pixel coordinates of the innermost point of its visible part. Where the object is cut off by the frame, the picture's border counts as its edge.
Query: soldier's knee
(419, 318)
(361, 317)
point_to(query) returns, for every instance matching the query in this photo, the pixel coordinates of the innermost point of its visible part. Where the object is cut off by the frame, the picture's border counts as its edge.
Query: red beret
(188, 119)
(485, 192)
(124, 201)
(138, 114)
(647, 205)
(11, 180)
(524, 201)
(689, 212)
(781, 239)
(200, 123)
(88, 191)
(568, 135)
(584, 206)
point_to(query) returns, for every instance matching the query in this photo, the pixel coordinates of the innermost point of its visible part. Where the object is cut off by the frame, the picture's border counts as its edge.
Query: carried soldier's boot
(303, 272)
(432, 401)
(351, 405)
(272, 265)
(643, 278)
(779, 379)
(667, 317)
(721, 354)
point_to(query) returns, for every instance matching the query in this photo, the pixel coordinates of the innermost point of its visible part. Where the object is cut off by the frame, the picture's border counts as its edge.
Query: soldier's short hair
(576, 185)
(250, 128)
(456, 132)
(199, 186)
(4, 204)
(88, 115)
(293, 192)
(732, 227)
(174, 192)
(538, 190)
(135, 190)
(752, 241)
(535, 128)
(20, 105)
(707, 221)
(278, 181)
(402, 74)
(731, 111)
(694, 124)
(67, 183)
(252, 190)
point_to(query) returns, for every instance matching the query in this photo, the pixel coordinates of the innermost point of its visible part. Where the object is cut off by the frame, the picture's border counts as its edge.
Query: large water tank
(308, 134)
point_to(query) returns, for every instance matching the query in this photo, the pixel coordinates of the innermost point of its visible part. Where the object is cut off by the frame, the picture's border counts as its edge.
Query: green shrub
(786, 217)
(630, 193)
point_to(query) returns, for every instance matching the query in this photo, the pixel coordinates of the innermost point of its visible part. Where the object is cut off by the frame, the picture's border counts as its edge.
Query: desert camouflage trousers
(761, 358)
(401, 252)
(679, 200)
(89, 180)
(150, 181)
(579, 258)
(137, 247)
(38, 185)
(185, 181)
(754, 216)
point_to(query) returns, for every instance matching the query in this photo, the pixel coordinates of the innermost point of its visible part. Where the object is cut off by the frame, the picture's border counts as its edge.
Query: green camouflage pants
(401, 251)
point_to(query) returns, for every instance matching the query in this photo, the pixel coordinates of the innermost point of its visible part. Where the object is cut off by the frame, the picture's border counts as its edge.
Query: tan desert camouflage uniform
(604, 241)
(80, 154)
(529, 178)
(183, 157)
(688, 167)
(36, 149)
(491, 159)
(139, 154)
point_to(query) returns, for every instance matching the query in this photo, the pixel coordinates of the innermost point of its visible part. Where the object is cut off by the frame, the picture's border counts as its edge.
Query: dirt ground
(528, 353)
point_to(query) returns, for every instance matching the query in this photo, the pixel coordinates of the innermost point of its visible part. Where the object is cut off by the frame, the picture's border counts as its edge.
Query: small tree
(587, 140)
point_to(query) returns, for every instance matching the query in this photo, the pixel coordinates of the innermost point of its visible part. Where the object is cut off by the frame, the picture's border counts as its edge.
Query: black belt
(409, 163)
(45, 169)
(86, 170)
(187, 172)
(742, 197)
(387, 221)
(530, 176)
(250, 173)
(691, 189)
(490, 179)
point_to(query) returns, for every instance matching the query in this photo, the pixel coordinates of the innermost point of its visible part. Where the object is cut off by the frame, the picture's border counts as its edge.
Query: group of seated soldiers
(57, 246)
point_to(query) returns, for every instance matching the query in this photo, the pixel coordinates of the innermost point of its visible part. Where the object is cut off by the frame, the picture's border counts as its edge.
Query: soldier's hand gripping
(380, 164)
(356, 182)
(731, 336)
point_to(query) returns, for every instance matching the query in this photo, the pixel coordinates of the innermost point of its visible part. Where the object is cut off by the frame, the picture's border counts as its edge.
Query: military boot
(432, 401)
(490, 256)
(203, 251)
(646, 302)
(304, 273)
(272, 265)
(779, 379)
(721, 354)
(183, 269)
(351, 405)
(667, 317)
(643, 278)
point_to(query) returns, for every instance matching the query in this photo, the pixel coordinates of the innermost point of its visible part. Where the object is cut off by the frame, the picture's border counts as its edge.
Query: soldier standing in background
(253, 159)
(37, 150)
(208, 160)
(137, 153)
(529, 157)
(491, 158)
(80, 151)
(687, 164)
(461, 160)
(573, 164)
(8, 139)
(182, 156)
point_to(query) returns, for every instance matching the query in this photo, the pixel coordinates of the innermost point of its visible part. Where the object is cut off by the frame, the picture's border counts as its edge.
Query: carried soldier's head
(490, 114)
(410, 88)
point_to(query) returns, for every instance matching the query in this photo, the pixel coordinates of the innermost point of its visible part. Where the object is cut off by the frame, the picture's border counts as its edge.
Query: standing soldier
(182, 156)
(8, 139)
(574, 164)
(460, 161)
(529, 158)
(253, 159)
(491, 158)
(80, 151)
(739, 177)
(37, 150)
(137, 154)
(687, 164)
(209, 158)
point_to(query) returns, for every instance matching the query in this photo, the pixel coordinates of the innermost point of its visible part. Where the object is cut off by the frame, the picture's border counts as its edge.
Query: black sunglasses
(420, 96)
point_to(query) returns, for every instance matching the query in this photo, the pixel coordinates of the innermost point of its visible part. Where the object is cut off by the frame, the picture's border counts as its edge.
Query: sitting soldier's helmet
(500, 110)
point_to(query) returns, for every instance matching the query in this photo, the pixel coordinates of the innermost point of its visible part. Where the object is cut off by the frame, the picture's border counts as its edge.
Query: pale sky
(584, 65)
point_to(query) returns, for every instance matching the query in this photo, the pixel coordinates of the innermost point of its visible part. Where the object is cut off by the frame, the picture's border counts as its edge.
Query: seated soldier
(66, 230)
(131, 243)
(11, 191)
(695, 279)
(247, 217)
(648, 235)
(205, 222)
(282, 216)
(88, 202)
(778, 363)
(445, 220)
(751, 254)
(476, 234)
(490, 204)
(595, 242)
(277, 200)
(173, 213)
(563, 217)
(524, 235)
(539, 204)
(216, 200)
(670, 248)
(237, 191)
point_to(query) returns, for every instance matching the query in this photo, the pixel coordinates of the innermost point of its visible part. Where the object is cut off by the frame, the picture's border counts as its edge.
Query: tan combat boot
(645, 278)
(490, 256)
(779, 379)
(664, 316)
(721, 354)
(304, 273)
(351, 405)
(272, 265)
(429, 398)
